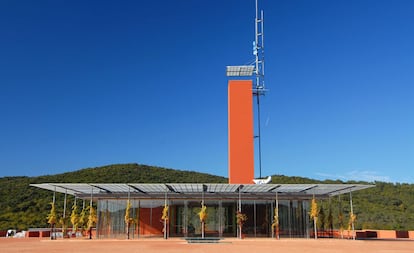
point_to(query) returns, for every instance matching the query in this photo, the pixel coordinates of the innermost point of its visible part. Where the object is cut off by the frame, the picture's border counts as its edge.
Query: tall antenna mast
(258, 51)
(259, 89)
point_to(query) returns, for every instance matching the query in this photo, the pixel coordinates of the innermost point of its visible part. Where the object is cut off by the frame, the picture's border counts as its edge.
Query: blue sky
(91, 83)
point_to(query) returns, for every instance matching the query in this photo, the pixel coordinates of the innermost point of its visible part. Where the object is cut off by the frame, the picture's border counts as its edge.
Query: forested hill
(386, 206)
(23, 206)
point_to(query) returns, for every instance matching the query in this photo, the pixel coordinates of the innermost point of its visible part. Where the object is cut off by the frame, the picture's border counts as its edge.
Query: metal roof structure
(212, 191)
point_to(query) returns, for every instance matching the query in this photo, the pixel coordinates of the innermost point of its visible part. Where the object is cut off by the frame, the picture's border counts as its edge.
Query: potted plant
(64, 223)
(314, 215)
(164, 219)
(241, 218)
(83, 221)
(351, 222)
(92, 219)
(52, 219)
(74, 219)
(275, 223)
(203, 216)
(128, 219)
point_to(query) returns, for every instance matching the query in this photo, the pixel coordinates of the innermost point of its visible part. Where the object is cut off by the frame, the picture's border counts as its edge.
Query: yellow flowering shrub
(52, 217)
(275, 222)
(165, 213)
(314, 210)
(241, 218)
(203, 213)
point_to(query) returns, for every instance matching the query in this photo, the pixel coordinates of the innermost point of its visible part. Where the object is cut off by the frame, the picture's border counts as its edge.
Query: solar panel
(244, 70)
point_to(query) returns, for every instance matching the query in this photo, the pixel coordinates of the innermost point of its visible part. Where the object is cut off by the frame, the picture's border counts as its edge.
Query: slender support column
(53, 230)
(221, 218)
(127, 222)
(202, 206)
(185, 218)
(254, 218)
(64, 204)
(166, 220)
(352, 215)
(239, 209)
(90, 213)
(64, 223)
(276, 218)
(139, 218)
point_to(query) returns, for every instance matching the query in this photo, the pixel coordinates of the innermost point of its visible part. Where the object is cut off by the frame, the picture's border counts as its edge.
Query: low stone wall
(366, 234)
(384, 234)
(41, 234)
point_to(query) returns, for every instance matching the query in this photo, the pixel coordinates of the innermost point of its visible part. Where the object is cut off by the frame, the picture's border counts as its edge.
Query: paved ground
(35, 245)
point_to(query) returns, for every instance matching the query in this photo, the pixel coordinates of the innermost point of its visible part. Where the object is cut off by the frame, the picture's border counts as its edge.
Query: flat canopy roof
(181, 191)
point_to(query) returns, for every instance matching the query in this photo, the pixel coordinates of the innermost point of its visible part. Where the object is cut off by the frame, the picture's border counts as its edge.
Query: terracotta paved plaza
(35, 245)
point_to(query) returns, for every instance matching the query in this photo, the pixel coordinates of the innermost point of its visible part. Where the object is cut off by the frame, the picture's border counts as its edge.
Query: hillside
(22, 206)
(386, 206)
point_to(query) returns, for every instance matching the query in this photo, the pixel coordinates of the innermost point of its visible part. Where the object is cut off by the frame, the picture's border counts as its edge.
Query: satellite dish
(263, 181)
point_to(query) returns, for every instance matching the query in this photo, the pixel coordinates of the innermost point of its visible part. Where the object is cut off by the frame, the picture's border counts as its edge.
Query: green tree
(329, 219)
(321, 219)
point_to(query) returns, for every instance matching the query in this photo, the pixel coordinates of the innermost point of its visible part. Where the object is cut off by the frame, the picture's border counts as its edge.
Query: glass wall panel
(191, 219)
(184, 220)
(177, 220)
(229, 218)
(259, 218)
(111, 218)
(293, 218)
(146, 215)
(249, 225)
(263, 219)
(150, 223)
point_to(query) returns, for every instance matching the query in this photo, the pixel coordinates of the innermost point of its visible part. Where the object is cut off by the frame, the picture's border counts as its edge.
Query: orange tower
(240, 106)
(240, 120)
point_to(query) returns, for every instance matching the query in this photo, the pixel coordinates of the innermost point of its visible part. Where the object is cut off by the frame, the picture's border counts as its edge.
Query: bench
(202, 240)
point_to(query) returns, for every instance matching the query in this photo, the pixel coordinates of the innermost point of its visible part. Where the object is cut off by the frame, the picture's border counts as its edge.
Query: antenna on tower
(259, 89)
(258, 52)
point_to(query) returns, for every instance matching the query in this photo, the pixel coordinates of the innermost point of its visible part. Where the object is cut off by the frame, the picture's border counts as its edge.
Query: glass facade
(184, 220)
